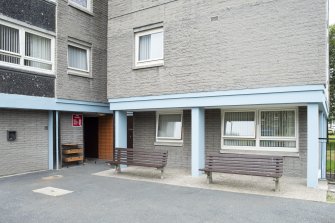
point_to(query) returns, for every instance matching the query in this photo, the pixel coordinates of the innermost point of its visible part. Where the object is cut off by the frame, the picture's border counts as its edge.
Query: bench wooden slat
(139, 157)
(244, 164)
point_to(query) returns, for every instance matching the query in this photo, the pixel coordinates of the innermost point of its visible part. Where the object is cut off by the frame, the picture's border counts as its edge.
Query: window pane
(144, 47)
(80, 2)
(169, 126)
(31, 63)
(38, 47)
(151, 47)
(278, 123)
(156, 51)
(277, 143)
(237, 142)
(9, 41)
(239, 124)
(77, 58)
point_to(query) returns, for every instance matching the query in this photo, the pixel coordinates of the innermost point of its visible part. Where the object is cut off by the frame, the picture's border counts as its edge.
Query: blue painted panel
(312, 145)
(42, 103)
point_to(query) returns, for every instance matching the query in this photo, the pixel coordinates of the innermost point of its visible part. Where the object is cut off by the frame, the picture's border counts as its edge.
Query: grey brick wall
(92, 29)
(145, 132)
(145, 135)
(69, 134)
(254, 43)
(30, 150)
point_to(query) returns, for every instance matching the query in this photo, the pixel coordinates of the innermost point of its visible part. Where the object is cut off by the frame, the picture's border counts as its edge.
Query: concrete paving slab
(290, 187)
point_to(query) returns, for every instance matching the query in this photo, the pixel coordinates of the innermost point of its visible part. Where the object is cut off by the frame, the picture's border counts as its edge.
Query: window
(273, 130)
(149, 48)
(169, 126)
(78, 59)
(27, 49)
(81, 4)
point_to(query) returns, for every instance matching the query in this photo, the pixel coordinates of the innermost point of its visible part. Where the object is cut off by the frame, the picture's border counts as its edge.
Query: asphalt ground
(106, 199)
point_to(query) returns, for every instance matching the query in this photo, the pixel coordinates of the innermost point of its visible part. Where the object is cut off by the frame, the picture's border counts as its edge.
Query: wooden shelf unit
(72, 153)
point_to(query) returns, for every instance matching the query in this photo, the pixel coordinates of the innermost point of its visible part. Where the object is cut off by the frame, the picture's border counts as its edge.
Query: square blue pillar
(198, 140)
(120, 129)
(312, 145)
(51, 140)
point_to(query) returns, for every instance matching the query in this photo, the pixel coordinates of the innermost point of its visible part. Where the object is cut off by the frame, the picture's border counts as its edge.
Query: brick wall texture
(91, 29)
(180, 156)
(29, 152)
(69, 134)
(251, 44)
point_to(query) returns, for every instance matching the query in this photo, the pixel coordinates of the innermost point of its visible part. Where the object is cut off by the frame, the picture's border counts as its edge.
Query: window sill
(144, 66)
(26, 69)
(258, 152)
(169, 143)
(74, 5)
(79, 74)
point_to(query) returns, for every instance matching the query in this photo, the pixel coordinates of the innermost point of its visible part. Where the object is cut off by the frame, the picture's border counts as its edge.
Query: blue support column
(51, 140)
(57, 140)
(198, 140)
(120, 129)
(312, 145)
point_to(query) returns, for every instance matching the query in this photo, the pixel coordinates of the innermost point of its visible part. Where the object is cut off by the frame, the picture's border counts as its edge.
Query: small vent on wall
(214, 18)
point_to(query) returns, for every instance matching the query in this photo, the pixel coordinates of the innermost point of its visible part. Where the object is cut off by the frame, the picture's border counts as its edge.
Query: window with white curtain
(274, 130)
(169, 126)
(149, 47)
(86, 4)
(78, 58)
(20, 47)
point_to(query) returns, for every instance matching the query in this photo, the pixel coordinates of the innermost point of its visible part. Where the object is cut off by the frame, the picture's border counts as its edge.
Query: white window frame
(169, 139)
(22, 56)
(258, 136)
(89, 7)
(77, 71)
(150, 62)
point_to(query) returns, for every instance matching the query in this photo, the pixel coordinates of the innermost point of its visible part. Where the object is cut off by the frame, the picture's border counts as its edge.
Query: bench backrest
(245, 164)
(141, 157)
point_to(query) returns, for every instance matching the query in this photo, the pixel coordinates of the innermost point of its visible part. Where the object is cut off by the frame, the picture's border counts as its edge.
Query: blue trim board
(42, 103)
(314, 94)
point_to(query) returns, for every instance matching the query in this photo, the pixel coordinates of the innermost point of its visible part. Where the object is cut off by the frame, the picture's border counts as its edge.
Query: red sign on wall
(77, 120)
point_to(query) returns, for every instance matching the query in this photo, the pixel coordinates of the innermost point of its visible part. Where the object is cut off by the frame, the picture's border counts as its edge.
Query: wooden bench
(244, 164)
(139, 157)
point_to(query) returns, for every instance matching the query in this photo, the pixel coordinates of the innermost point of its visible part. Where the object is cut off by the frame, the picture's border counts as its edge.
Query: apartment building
(229, 76)
(53, 89)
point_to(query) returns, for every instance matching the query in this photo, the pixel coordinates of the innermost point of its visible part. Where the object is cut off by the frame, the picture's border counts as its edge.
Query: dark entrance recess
(91, 137)
(130, 131)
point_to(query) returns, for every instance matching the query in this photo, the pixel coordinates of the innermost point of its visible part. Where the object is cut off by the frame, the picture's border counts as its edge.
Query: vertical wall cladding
(91, 29)
(145, 136)
(69, 134)
(29, 152)
(218, 45)
(106, 137)
(38, 13)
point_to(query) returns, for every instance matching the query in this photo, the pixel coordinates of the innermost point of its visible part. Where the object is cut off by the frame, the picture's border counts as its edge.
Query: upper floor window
(78, 59)
(27, 49)
(149, 48)
(82, 4)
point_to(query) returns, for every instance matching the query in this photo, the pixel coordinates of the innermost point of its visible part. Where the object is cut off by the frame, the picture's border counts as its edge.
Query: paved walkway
(105, 199)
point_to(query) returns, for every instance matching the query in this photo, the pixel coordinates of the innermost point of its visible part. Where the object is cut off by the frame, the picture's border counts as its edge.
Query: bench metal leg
(209, 177)
(277, 186)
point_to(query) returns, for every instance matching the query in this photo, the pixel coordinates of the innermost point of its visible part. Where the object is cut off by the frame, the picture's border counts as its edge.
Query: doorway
(91, 137)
